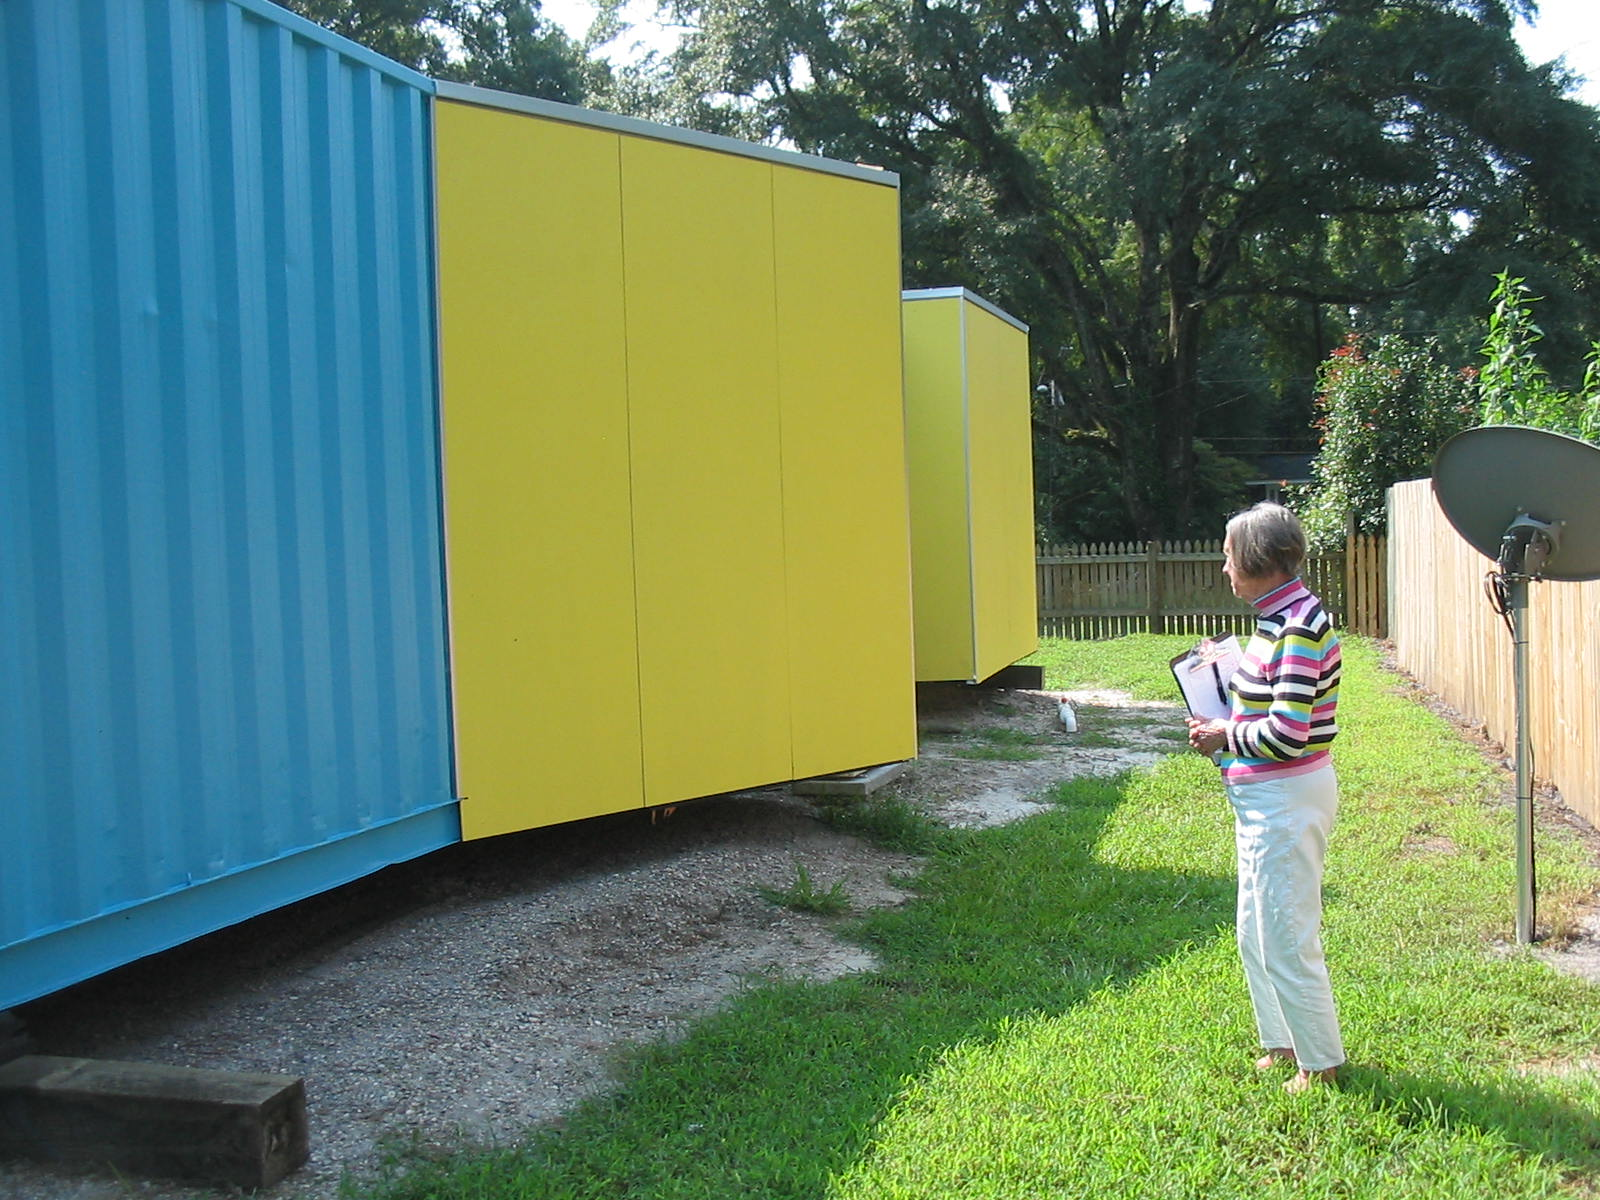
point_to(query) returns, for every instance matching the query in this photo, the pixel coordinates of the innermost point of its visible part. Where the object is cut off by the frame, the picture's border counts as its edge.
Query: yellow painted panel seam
(966, 450)
(783, 525)
(633, 524)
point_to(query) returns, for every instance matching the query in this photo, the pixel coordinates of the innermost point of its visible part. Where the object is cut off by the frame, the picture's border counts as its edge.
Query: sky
(1564, 27)
(1570, 28)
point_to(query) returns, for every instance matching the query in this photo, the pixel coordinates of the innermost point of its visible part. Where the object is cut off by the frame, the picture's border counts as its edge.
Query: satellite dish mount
(1527, 544)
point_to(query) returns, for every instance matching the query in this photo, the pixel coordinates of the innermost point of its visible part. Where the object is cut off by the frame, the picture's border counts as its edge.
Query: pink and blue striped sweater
(1283, 696)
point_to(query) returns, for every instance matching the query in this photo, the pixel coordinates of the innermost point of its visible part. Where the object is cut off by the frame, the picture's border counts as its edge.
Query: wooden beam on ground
(215, 1127)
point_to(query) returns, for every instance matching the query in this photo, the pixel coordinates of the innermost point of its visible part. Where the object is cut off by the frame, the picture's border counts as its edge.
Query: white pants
(1281, 828)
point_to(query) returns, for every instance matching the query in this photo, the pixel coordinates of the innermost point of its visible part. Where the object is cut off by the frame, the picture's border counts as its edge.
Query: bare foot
(1304, 1081)
(1274, 1056)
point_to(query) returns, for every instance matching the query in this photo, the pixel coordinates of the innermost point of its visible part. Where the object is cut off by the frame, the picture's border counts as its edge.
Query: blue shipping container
(222, 634)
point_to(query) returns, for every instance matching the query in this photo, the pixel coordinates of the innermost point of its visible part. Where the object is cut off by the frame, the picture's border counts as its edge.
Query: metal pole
(1517, 606)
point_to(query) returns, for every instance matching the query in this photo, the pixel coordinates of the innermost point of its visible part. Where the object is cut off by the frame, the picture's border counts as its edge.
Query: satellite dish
(1530, 500)
(1488, 477)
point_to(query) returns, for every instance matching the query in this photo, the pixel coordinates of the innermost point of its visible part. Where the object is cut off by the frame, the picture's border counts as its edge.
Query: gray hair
(1265, 539)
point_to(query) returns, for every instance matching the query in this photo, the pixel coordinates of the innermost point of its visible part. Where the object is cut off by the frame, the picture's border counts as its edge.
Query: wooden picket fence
(1108, 589)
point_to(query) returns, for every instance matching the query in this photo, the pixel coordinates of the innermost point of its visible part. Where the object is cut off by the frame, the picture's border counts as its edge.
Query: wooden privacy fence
(1103, 590)
(1448, 638)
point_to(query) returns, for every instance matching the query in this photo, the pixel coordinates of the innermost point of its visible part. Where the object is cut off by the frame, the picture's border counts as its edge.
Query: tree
(507, 45)
(1133, 179)
(408, 31)
(502, 44)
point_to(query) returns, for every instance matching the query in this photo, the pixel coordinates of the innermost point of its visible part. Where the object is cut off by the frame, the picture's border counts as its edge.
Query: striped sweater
(1283, 696)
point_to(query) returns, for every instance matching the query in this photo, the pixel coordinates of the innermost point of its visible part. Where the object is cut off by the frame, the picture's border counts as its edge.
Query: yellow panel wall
(537, 470)
(1005, 592)
(936, 444)
(707, 485)
(969, 433)
(846, 520)
(676, 491)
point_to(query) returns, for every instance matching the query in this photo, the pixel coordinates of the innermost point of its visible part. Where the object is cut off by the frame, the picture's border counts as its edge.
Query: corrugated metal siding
(221, 601)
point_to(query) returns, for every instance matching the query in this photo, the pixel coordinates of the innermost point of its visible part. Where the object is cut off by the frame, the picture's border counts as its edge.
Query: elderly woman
(1273, 750)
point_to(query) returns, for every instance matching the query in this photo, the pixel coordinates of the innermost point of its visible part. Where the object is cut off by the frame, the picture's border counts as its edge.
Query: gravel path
(475, 993)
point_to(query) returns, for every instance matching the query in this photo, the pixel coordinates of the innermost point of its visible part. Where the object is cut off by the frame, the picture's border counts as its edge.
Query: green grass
(1060, 1012)
(803, 895)
(1137, 664)
(1006, 745)
(1014, 737)
(1098, 739)
(892, 823)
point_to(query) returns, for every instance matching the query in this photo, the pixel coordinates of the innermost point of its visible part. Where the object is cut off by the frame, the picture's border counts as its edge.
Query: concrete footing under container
(850, 783)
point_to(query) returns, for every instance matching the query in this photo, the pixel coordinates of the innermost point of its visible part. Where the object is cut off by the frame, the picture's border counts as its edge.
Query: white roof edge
(951, 293)
(574, 115)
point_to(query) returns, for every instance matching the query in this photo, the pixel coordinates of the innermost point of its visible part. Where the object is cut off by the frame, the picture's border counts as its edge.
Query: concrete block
(850, 783)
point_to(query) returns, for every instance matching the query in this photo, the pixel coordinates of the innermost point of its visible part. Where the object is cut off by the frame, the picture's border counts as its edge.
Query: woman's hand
(1208, 736)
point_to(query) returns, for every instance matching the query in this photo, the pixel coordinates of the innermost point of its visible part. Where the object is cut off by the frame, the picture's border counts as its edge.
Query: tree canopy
(1142, 180)
(1191, 202)
(504, 44)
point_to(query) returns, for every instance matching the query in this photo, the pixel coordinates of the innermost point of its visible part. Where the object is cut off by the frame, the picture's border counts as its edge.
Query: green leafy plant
(805, 896)
(1386, 405)
(1516, 388)
(892, 823)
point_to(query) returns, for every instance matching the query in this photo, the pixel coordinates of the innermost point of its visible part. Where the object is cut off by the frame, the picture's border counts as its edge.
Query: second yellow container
(969, 440)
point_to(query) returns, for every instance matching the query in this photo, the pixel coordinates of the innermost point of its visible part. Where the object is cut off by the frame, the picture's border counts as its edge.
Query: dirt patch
(987, 758)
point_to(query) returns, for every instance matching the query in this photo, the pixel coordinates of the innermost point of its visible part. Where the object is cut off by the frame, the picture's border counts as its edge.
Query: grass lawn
(1060, 1012)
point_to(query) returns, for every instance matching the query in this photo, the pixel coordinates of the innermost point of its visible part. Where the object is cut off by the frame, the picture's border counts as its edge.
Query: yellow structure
(969, 443)
(675, 483)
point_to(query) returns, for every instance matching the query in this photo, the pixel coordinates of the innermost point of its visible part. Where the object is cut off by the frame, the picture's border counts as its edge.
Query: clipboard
(1203, 673)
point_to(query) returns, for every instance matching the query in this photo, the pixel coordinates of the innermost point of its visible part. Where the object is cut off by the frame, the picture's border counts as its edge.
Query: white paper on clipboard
(1203, 673)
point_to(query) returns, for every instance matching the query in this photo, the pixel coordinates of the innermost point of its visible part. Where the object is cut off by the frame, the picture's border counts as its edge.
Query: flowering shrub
(1383, 410)
(1383, 413)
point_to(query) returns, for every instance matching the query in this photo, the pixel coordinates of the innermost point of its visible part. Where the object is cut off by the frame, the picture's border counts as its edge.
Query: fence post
(1389, 567)
(1158, 620)
(1350, 618)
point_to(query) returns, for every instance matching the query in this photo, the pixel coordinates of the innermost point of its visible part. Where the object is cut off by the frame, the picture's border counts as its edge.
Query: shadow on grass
(774, 1094)
(1566, 1134)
